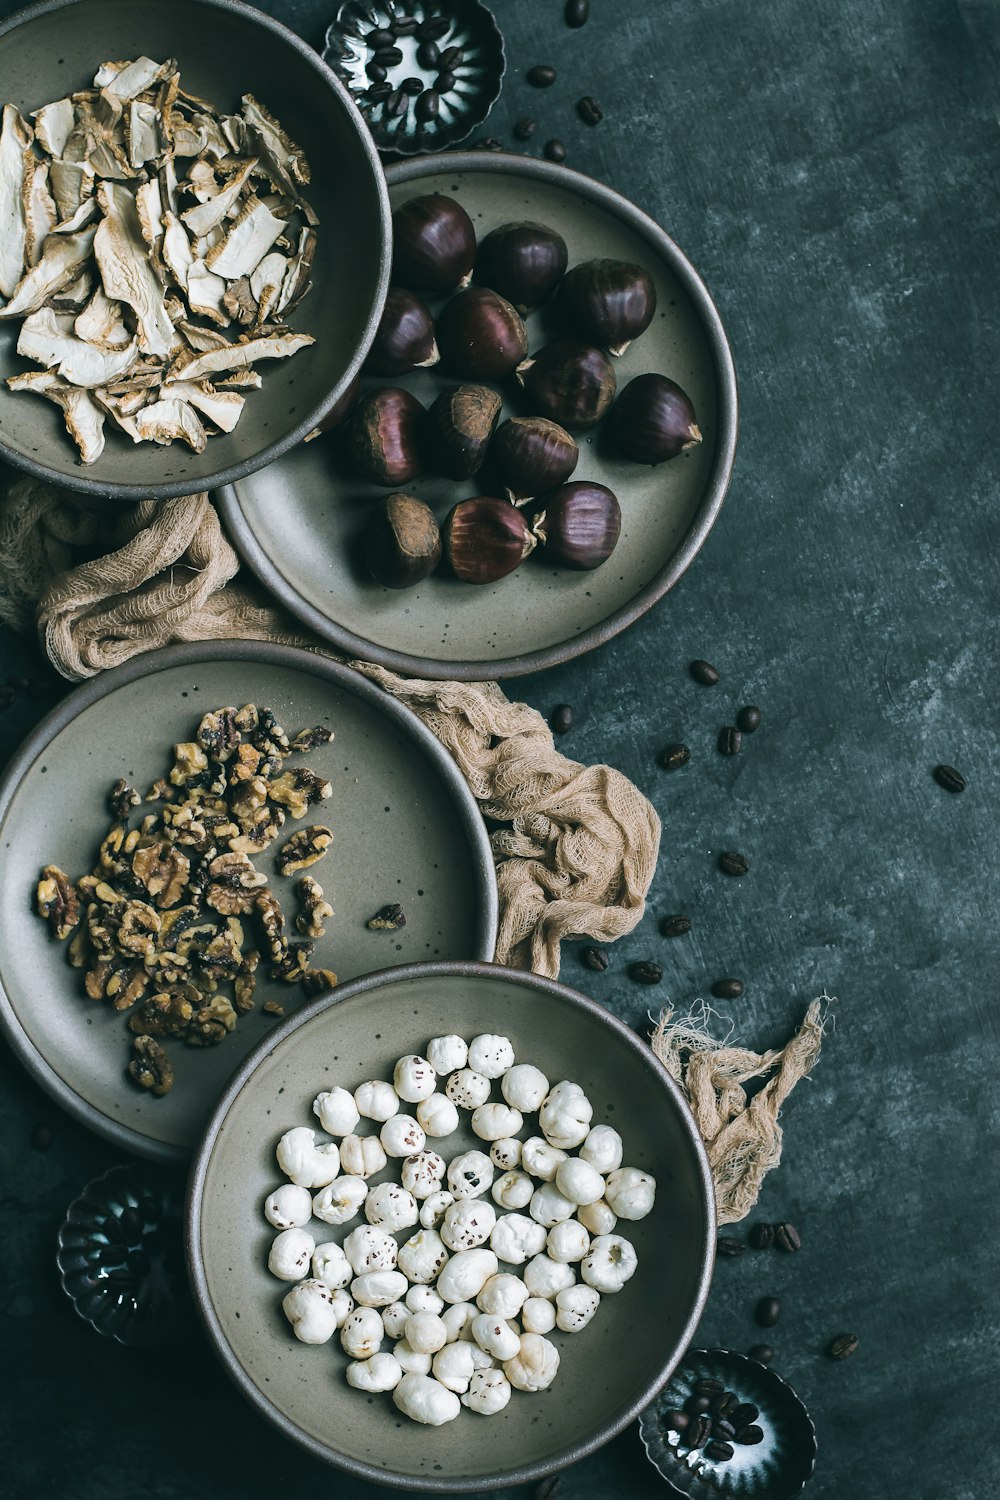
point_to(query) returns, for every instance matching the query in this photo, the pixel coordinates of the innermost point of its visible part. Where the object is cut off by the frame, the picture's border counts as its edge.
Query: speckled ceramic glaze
(298, 522)
(608, 1372)
(224, 50)
(405, 827)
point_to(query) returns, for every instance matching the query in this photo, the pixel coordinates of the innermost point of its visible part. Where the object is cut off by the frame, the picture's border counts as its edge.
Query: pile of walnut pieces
(175, 910)
(138, 224)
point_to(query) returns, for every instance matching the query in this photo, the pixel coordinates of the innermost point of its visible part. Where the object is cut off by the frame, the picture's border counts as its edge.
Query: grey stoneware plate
(406, 829)
(224, 50)
(608, 1372)
(297, 523)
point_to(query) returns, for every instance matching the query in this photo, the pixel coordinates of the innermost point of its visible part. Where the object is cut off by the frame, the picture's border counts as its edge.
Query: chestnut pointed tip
(538, 527)
(432, 359)
(522, 370)
(695, 436)
(465, 281)
(619, 349)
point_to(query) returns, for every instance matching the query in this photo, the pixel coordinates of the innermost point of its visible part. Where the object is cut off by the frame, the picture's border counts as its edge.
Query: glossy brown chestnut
(654, 420)
(485, 539)
(384, 436)
(404, 339)
(523, 262)
(340, 411)
(459, 428)
(434, 244)
(480, 335)
(569, 382)
(609, 301)
(402, 541)
(532, 455)
(579, 524)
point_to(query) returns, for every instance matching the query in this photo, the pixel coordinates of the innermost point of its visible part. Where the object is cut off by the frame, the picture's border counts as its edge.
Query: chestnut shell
(480, 335)
(569, 382)
(404, 339)
(402, 541)
(485, 539)
(384, 436)
(531, 455)
(459, 428)
(524, 262)
(609, 301)
(579, 524)
(654, 419)
(434, 243)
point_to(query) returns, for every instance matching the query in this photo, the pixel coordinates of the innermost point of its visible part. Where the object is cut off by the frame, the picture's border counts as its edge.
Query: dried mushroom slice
(163, 869)
(150, 1067)
(298, 789)
(305, 847)
(316, 910)
(58, 901)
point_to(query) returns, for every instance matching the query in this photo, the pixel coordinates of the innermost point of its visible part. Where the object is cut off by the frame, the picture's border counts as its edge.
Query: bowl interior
(636, 1336)
(222, 54)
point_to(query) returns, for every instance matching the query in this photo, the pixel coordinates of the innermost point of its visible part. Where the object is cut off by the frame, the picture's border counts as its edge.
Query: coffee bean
(675, 756)
(730, 741)
(541, 76)
(695, 1405)
(724, 1404)
(727, 989)
(388, 56)
(397, 103)
(428, 54)
(748, 718)
(787, 1238)
(949, 778)
(595, 958)
(709, 1387)
(555, 150)
(427, 106)
(41, 1137)
(376, 92)
(675, 1421)
(762, 1353)
(451, 57)
(767, 1312)
(699, 1432)
(589, 110)
(561, 719)
(7, 696)
(843, 1346)
(762, 1236)
(445, 82)
(732, 863)
(675, 926)
(704, 672)
(748, 1436)
(645, 973)
(718, 1451)
(577, 13)
(433, 29)
(743, 1414)
(412, 86)
(728, 1246)
(376, 72)
(404, 25)
(379, 39)
(525, 129)
(723, 1429)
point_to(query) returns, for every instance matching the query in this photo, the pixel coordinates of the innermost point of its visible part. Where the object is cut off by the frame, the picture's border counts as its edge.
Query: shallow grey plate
(297, 522)
(406, 829)
(608, 1373)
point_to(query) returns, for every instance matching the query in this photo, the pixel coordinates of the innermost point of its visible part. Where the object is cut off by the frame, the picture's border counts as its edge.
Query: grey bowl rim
(147, 664)
(608, 198)
(170, 489)
(527, 1473)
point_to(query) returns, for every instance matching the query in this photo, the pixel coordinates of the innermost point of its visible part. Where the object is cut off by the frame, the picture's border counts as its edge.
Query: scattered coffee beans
(843, 1346)
(595, 958)
(695, 1405)
(389, 56)
(709, 1386)
(555, 150)
(541, 76)
(525, 129)
(732, 863)
(675, 756)
(698, 1433)
(787, 1238)
(762, 1236)
(451, 57)
(730, 741)
(378, 39)
(445, 82)
(762, 1353)
(748, 1436)
(949, 778)
(561, 720)
(716, 1427)
(589, 110)
(675, 1421)
(704, 672)
(412, 86)
(727, 989)
(746, 1412)
(427, 106)
(767, 1312)
(428, 54)
(748, 718)
(404, 25)
(727, 1245)
(718, 1451)
(431, 30)
(676, 926)
(577, 13)
(645, 973)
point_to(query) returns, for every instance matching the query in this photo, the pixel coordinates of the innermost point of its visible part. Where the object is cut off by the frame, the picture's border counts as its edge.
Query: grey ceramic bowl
(608, 1373)
(224, 50)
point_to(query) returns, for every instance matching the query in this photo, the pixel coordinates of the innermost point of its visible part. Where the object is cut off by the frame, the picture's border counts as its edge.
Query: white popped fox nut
(371, 1249)
(394, 1319)
(568, 1241)
(503, 1295)
(609, 1263)
(578, 1181)
(470, 1174)
(467, 1223)
(307, 1162)
(454, 1366)
(597, 1217)
(290, 1254)
(342, 1304)
(575, 1306)
(540, 1159)
(391, 1207)
(516, 1239)
(493, 1122)
(545, 1277)
(288, 1207)
(336, 1111)
(538, 1315)
(467, 1088)
(362, 1333)
(413, 1078)
(465, 1275)
(410, 1361)
(535, 1365)
(423, 1256)
(495, 1336)
(425, 1333)
(378, 1288)
(331, 1266)
(382, 1372)
(513, 1190)
(426, 1400)
(422, 1173)
(490, 1055)
(446, 1054)
(402, 1136)
(603, 1149)
(423, 1299)
(630, 1192)
(437, 1115)
(432, 1210)
(549, 1206)
(524, 1087)
(362, 1155)
(565, 1115)
(309, 1308)
(376, 1100)
(489, 1391)
(506, 1153)
(457, 1319)
(340, 1200)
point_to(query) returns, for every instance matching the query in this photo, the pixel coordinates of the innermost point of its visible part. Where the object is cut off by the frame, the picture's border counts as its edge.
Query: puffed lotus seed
(457, 1319)
(467, 1088)
(331, 1266)
(545, 1277)
(568, 1241)
(382, 1372)
(290, 1254)
(454, 1366)
(437, 1115)
(342, 1304)
(336, 1111)
(540, 1159)
(494, 1122)
(565, 1115)
(423, 1299)
(610, 1262)
(597, 1217)
(465, 1275)
(503, 1295)
(490, 1055)
(489, 1392)
(288, 1207)
(402, 1136)
(575, 1306)
(371, 1249)
(340, 1200)
(513, 1190)
(524, 1087)
(447, 1054)
(432, 1210)
(394, 1319)
(425, 1333)
(630, 1192)
(603, 1149)
(535, 1365)
(506, 1153)
(538, 1315)
(426, 1400)
(376, 1100)
(549, 1206)
(362, 1333)
(422, 1173)
(467, 1223)
(306, 1162)
(413, 1078)
(495, 1336)
(470, 1174)
(517, 1238)
(410, 1361)
(578, 1181)
(378, 1288)
(391, 1207)
(309, 1308)
(362, 1155)
(423, 1256)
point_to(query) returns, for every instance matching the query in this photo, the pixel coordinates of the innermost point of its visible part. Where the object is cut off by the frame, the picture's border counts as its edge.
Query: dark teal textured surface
(831, 170)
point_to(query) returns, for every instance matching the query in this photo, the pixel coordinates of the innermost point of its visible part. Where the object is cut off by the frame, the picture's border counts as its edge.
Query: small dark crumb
(675, 926)
(387, 919)
(542, 76)
(748, 719)
(730, 740)
(674, 757)
(949, 778)
(843, 1346)
(727, 989)
(41, 1137)
(525, 129)
(555, 150)
(704, 672)
(595, 958)
(589, 110)
(561, 718)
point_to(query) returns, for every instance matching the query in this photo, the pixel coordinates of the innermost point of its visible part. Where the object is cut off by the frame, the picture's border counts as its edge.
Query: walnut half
(150, 1067)
(57, 901)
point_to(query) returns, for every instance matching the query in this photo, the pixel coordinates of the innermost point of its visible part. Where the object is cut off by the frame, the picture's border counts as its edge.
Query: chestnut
(434, 244)
(459, 427)
(402, 541)
(531, 455)
(524, 262)
(384, 436)
(569, 382)
(480, 334)
(609, 301)
(654, 419)
(404, 339)
(485, 539)
(580, 524)
(339, 411)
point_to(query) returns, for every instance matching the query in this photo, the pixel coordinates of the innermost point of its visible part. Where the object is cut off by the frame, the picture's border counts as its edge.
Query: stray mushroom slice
(72, 184)
(15, 159)
(39, 211)
(285, 160)
(142, 133)
(241, 354)
(248, 239)
(48, 338)
(101, 323)
(163, 421)
(61, 262)
(211, 212)
(178, 257)
(54, 124)
(223, 408)
(123, 261)
(131, 78)
(206, 293)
